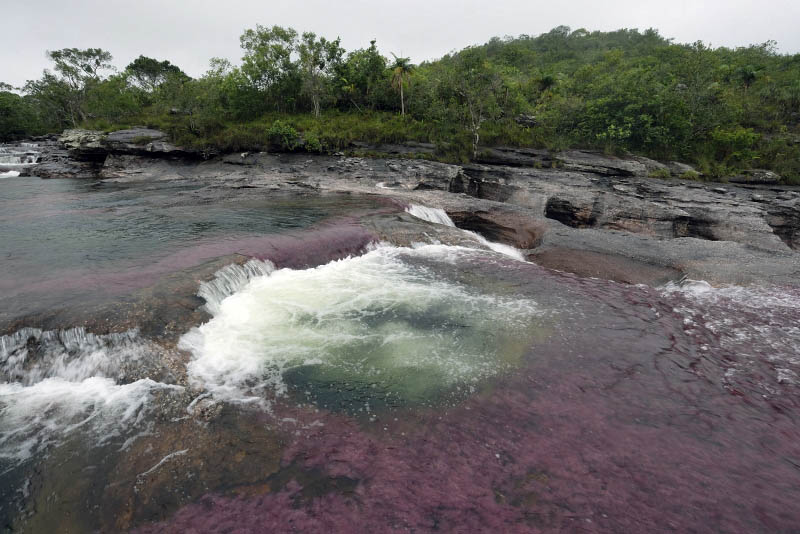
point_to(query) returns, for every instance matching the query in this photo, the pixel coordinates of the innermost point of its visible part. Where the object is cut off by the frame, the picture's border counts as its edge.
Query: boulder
(514, 157)
(651, 166)
(756, 176)
(84, 145)
(134, 136)
(91, 145)
(677, 168)
(598, 163)
(399, 149)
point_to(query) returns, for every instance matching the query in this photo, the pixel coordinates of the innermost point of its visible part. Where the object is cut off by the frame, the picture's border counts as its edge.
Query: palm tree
(401, 70)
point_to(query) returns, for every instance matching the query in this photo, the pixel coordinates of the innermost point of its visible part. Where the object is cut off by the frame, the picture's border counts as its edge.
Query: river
(433, 387)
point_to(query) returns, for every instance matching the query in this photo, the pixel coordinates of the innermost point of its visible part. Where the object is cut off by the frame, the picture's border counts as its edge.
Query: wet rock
(606, 266)
(784, 218)
(502, 227)
(629, 214)
(56, 161)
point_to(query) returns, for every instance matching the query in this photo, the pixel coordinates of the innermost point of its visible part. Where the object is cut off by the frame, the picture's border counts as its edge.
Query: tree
(17, 114)
(112, 99)
(78, 67)
(362, 77)
(318, 59)
(268, 64)
(401, 70)
(475, 86)
(148, 73)
(748, 75)
(54, 100)
(78, 70)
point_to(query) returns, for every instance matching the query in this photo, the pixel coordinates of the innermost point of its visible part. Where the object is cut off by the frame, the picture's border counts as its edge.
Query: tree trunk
(402, 101)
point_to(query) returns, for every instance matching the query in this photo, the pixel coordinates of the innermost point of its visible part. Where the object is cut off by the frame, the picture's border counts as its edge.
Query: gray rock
(84, 144)
(516, 157)
(396, 149)
(96, 146)
(756, 176)
(597, 163)
(651, 166)
(137, 136)
(679, 169)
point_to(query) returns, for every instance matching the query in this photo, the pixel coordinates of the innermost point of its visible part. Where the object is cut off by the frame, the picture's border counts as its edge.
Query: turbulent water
(439, 216)
(57, 383)
(17, 158)
(430, 388)
(391, 329)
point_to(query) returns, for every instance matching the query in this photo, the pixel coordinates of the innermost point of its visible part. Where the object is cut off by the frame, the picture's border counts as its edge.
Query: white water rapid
(53, 384)
(439, 216)
(380, 320)
(16, 158)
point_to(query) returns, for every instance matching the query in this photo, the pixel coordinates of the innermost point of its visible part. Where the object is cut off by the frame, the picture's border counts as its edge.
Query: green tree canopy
(148, 73)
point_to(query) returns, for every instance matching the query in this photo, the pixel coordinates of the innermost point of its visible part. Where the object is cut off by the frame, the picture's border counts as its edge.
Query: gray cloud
(189, 32)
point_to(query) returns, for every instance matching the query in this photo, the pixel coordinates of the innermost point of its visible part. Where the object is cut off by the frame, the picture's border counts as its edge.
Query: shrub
(282, 135)
(141, 140)
(660, 173)
(690, 175)
(312, 143)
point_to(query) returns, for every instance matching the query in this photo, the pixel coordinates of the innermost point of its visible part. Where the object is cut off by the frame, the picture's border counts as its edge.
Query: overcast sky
(189, 32)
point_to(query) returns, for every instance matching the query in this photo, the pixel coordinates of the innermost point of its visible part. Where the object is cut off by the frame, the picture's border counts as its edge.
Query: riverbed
(316, 376)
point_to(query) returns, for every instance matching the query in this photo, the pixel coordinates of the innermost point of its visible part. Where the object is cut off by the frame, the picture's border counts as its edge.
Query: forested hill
(723, 109)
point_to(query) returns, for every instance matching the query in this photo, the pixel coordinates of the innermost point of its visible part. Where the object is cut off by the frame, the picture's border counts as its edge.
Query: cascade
(439, 216)
(17, 158)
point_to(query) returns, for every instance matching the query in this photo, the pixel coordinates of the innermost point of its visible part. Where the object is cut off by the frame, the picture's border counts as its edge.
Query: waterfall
(439, 216)
(229, 280)
(434, 215)
(30, 355)
(16, 158)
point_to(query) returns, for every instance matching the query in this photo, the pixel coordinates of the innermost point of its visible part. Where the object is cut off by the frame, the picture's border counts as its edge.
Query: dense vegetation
(625, 91)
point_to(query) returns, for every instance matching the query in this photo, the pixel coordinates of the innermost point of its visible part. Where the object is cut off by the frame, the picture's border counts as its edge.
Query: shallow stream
(419, 389)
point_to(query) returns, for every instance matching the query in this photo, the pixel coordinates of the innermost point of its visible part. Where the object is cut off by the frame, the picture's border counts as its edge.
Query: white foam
(375, 314)
(434, 215)
(55, 383)
(439, 216)
(757, 324)
(506, 250)
(9, 174)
